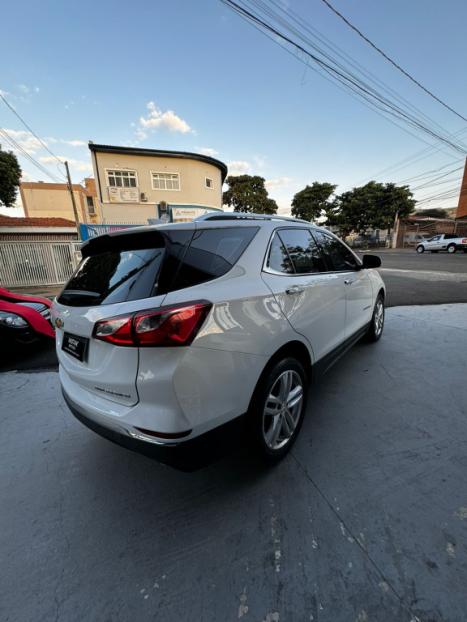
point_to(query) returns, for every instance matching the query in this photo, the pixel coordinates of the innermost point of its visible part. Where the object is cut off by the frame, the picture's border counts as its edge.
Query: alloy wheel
(282, 409)
(379, 317)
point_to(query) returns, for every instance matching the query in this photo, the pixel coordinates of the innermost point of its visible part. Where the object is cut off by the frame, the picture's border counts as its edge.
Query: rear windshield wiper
(79, 292)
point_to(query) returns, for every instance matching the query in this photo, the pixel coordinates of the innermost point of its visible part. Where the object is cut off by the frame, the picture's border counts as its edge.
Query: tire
(420, 248)
(452, 248)
(274, 434)
(375, 330)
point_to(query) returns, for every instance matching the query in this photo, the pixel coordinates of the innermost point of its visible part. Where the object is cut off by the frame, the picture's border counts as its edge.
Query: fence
(25, 264)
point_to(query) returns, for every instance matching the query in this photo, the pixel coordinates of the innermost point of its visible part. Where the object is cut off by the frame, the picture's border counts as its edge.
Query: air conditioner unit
(143, 197)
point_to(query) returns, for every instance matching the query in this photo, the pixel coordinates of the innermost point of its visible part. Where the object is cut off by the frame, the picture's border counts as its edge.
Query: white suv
(165, 333)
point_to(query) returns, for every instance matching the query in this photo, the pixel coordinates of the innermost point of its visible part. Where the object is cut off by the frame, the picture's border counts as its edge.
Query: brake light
(116, 330)
(464, 241)
(169, 326)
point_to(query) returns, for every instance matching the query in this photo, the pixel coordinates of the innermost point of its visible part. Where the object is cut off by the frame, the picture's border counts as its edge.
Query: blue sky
(192, 75)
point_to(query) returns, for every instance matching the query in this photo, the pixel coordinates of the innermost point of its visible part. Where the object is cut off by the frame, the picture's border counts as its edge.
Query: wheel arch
(294, 348)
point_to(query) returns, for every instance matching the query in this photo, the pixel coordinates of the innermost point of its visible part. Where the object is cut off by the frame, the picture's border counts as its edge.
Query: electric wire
(347, 79)
(390, 60)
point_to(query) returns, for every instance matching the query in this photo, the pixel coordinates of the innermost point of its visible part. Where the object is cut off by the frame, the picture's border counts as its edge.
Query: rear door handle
(348, 281)
(295, 289)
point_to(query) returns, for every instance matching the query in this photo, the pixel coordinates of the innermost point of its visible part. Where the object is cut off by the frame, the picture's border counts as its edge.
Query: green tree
(313, 201)
(373, 206)
(432, 212)
(10, 176)
(247, 193)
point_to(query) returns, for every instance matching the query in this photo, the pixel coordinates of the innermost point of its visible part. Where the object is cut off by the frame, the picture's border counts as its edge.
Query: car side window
(211, 254)
(294, 251)
(338, 257)
(303, 251)
(279, 259)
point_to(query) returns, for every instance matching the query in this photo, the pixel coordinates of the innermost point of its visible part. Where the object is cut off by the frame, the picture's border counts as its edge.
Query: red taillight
(117, 330)
(169, 326)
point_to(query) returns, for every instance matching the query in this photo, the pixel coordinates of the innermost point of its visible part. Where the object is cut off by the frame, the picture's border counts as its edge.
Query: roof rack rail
(247, 216)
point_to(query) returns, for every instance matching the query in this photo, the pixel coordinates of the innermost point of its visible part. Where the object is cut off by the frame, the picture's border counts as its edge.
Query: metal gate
(24, 264)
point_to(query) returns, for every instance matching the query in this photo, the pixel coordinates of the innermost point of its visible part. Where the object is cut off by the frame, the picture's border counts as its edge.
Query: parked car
(449, 242)
(24, 319)
(165, 333)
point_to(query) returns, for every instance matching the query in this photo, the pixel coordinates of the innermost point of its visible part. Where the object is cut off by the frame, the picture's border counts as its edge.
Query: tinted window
(302, 250)
(212, 253)
(450, 236)
(126, 267)
(278, 259)
(337, 255)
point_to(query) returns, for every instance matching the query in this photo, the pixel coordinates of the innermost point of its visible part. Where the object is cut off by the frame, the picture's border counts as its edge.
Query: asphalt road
(365, 521)
(411, 279)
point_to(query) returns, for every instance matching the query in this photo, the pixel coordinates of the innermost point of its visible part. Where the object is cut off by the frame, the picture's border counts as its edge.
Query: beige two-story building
(44, 200)
(136, 184)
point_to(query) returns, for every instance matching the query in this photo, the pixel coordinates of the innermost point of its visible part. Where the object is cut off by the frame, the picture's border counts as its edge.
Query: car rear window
(136, 266)
(126, 267)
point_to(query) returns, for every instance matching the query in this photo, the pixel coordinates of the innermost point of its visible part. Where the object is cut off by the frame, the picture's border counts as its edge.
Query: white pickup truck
(449, 242)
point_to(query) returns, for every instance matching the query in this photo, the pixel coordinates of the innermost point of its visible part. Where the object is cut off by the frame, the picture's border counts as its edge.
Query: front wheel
(375, 330)
(278, 407)
(420, 249)
(452, 248)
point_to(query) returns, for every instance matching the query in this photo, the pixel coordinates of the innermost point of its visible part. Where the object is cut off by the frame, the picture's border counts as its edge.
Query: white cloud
(25, 139)
(63, 141)
(278, 182)
(83, 166)
(238, 167)
(31, 144)
(157, 119)
(74, 143)
(207, 151)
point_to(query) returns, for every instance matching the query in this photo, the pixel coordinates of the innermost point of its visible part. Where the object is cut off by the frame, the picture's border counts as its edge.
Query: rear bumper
(184, 455)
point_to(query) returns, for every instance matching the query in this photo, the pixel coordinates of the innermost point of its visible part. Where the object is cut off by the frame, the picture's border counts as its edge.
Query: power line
(348, 80)
(5, 101)
(16, 146)
(390, 60)
(346, 57)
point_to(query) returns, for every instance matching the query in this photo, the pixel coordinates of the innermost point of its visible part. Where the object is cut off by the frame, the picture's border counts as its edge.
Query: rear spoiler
(127, 239)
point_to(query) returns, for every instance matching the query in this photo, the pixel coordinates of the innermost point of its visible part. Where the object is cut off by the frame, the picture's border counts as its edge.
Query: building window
(90, 205)
(209, 183)
(166, 181)
(122, 179)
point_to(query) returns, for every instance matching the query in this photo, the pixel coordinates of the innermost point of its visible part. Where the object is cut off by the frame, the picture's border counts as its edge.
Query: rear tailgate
(104, 369)
(119, 275)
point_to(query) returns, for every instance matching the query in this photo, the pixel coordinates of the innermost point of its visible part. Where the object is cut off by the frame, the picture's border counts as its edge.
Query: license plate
(75, 345)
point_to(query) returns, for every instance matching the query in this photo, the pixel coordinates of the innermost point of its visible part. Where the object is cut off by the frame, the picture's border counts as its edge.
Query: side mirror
(371, 261)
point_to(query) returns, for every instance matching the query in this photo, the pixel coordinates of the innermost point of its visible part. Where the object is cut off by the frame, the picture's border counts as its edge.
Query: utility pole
(75, 211)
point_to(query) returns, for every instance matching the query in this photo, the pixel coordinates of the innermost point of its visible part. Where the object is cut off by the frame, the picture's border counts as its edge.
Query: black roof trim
(160, 152)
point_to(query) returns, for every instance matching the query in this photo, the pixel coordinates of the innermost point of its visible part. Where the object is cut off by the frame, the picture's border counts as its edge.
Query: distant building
(44, 200)
(462, 205)
(136, 184)
(15, 229)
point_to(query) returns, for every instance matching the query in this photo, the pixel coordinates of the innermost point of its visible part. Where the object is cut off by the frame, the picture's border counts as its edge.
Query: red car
(24, 319)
